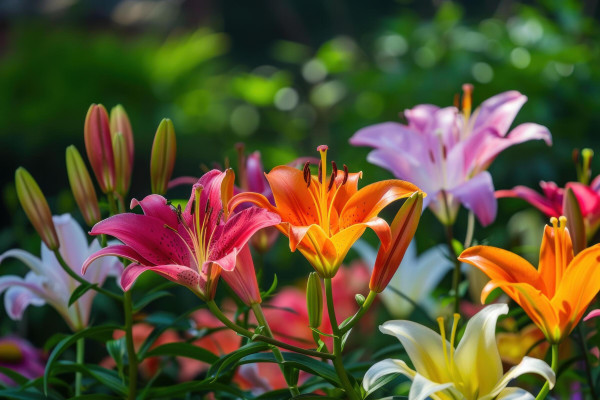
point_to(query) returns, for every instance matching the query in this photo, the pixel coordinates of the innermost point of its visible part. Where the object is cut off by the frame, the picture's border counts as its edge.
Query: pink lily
(189, 247)
(446, 152)
(20, 356)
(550, 202)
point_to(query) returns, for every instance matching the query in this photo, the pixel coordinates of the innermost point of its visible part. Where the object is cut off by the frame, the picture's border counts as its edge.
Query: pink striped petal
(588, 199)
(533, 198)
(147, 236)
(176, 273)
(592, 314)
(242, 278)
(477, 195)
(156, 206)
(498, 112)
(118, 250)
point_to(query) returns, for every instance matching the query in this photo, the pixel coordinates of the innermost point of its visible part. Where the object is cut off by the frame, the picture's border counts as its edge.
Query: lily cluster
(238, 340)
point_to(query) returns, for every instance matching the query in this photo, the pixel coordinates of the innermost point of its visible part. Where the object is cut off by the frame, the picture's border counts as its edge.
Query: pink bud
(119, 125)
(36, 207)
(98, 145)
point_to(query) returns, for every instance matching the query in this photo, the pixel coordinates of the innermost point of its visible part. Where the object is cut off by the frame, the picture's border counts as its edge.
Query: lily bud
(36, 207)
(162, 159)
(82, 187)
(98, 145)
(575, 221)
(242, 279)
(403, 229)
(119, 124)
(122, 164)
(314, 300)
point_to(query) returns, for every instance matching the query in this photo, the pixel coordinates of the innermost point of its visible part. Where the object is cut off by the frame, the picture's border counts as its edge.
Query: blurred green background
(284, 76)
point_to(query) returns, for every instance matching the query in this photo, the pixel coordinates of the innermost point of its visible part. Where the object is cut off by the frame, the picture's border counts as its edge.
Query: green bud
(36, 207)
(314, 300)
(360, 299)
(82, 186)
(162, 159)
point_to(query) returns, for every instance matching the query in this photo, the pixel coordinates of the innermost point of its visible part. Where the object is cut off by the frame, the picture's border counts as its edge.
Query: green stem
(584, 353)
(112, 205)
(131, 355)
(337, 344)
(456, 273)
(546, 388)
(262, 321)
(79, 279)
(363, 309)
(214, 309)
(79, 361)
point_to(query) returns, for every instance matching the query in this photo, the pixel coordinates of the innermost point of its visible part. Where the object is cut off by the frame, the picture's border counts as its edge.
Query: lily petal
(514, 394)
(527, 365)
(383, 368)
(592, 314)
(498, 111)
(176, 273)
(118, 250)
(477, 195)
(156, 206)
(422, 388)
(532, 197)
(19, 295)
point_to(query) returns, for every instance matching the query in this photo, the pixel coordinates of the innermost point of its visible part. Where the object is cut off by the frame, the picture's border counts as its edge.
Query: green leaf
(117, 350)
(271, 290)
(299, 361)
(14, 375)
(381, 382)
(457, 247)
(80, 291)
(96, 332)
(29, 394)
(106, 377)
(187, 350)
(195, 386)
(149, 298)
(229, 361)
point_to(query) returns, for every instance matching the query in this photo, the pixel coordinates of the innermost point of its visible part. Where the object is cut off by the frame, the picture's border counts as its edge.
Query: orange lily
(556, 295)
(324, 217)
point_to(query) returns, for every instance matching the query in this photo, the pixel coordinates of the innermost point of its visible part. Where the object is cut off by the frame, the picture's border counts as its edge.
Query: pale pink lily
(446, 152)
(48, 283)
(551, 200)
(189, 247)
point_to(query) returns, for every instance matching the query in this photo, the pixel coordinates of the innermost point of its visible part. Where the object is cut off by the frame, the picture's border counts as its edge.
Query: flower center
(10, 353)
(560, 252)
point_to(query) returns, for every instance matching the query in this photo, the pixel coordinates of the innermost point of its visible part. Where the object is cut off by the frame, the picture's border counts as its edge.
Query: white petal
(32, 262)
(478, 351)
(514, 394)
(423, 346)
(18, 298)
(527, 365)
(383, 368)
(422, 388)
(430, 269)
(73, 241)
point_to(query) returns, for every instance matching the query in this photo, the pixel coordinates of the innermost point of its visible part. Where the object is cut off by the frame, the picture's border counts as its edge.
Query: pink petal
(498, 112)
(386, 135)
(588, 199)
(211, 193)
(242, 278)
(20, 293)
(156, 206)
(477, 195)
(256, 174)
(595, 185)
(182, 180)
(592, 314)
(237, 231)
(147, 236)
(533, 198)
(420, 117)
(176, 273)
(116, 250)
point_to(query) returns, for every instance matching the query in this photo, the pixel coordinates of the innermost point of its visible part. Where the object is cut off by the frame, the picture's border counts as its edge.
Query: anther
(220, 216)
(193, 208)
(170, 228)
(307, 173)
(333, 175)
(562, 221)
(345, 175)
(319, 172)
(554, 222)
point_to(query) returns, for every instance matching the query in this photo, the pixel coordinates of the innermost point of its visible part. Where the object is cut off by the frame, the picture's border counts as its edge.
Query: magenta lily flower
(189, 247)
(446, 152)
(20, 356)
(551, 200)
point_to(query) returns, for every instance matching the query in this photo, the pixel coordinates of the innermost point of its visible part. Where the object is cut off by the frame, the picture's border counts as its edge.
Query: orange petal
(578, 287)
(370, 200)
(292, 198)
(503, 266)
(345, 191)
(318, 249)
(251, 197)
(548, 269)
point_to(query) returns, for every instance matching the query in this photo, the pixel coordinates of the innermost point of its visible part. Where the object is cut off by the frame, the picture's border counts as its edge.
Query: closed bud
(403, 229)
(162, 159)
(314, 300)
(36, 207)
(575, 221)
(360, 299)
(122, 165)
(119, 125)
(82, 186)
(99, 148)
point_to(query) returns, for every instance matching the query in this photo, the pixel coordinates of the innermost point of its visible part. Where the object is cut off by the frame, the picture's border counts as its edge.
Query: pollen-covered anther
(319, 173)
(345, 175)
(306, 172)
(333, 175)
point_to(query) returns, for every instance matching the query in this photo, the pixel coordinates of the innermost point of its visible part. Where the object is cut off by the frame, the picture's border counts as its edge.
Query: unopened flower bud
(36, 207)
(98, 145)
(82, 186)
(119, 125)
(403, 229)
(162, 159)
(314, 300)
(360, 299)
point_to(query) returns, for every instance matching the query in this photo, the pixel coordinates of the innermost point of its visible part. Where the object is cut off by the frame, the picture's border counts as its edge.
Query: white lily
(416, 278)
(471, 372)
(48, 283)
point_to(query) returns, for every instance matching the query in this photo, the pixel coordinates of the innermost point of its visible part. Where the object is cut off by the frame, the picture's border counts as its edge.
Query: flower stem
(456, 273)
(363, 309)
(337, 344)
(546, 388)
(79, 279)
(584, 353)
(262, 321)
(79, 361)
(131, 355)
(214, 309)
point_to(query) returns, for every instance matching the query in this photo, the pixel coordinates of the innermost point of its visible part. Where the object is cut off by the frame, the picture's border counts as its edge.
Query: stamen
(345, 175)
(319, 173)
(219, 216)
(456, 101)
(453, 336)
(333, 175)
(193, 208)
(306, 171)
(466, 101)
(562, 222)
(440, 321)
